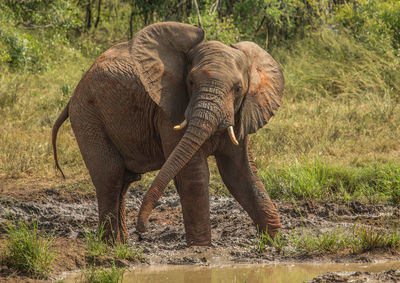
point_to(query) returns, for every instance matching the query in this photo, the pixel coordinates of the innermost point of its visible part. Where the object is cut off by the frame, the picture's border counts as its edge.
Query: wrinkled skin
(125, 107)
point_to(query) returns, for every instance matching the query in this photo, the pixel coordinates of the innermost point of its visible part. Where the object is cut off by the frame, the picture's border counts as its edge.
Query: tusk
(232, 135)
(180, 126)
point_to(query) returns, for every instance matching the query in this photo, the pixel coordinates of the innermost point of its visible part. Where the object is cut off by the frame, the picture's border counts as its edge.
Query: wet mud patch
(358, 276)
(233, 233)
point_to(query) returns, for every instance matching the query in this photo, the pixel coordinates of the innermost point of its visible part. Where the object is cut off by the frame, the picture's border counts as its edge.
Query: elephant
(166, 100)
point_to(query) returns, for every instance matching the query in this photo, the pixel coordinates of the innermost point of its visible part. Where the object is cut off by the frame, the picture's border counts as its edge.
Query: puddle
(278, 273)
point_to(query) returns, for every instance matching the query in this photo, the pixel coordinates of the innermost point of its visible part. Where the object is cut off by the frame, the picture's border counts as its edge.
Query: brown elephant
(124, 109)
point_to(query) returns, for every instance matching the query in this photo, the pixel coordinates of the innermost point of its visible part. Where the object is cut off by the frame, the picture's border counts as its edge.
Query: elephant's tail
(60, 120)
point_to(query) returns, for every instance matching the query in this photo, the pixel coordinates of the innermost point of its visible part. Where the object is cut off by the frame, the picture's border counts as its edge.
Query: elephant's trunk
(201, 126)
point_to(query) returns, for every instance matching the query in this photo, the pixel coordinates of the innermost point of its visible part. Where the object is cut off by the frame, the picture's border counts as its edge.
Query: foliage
(20, 50)
(28, 250)
(218, 29)
(58, 16)
(274, 21)
(371, 20)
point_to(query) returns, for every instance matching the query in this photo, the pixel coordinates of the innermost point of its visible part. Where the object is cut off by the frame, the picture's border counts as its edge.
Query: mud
(233, 233)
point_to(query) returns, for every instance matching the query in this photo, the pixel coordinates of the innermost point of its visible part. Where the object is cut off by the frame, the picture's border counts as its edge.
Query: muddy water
(243, 273)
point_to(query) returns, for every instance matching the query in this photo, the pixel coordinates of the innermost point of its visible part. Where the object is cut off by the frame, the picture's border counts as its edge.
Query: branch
(197, 12)
(260, 25)
(214, 7)
(31, 26)
(98, 14)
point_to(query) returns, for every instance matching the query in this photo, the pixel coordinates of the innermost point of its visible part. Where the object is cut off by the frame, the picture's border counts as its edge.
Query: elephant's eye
(190, 82)
(238, 89)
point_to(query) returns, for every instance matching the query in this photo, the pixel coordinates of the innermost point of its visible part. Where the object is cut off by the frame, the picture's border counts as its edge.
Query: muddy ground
(66, 213)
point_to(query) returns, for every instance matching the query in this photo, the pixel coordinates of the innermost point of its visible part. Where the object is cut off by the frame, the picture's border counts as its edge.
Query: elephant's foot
(202, 238)
(271, 229)
(141, 225)
(274, 229)
(191, 242)
(108, 235)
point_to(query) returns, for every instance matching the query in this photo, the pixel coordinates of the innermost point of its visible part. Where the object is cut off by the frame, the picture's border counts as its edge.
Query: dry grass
(341, 109)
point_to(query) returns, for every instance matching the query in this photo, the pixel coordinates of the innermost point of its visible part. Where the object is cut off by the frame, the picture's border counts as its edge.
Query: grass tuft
(123, 251)
(321, 181)
(332, 242)
(263, 240)
(359, 239)
(102, 275)
(368, 239)
(95, 245)
(28, 250)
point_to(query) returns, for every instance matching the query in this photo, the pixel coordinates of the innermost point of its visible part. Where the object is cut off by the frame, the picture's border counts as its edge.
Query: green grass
(335, 136)
(319, 181)
(370, 239)
(123, 251)
(28, 250)
(102, 275)
(263, 240)
(357, 239)
(327, 242)
(95, 245)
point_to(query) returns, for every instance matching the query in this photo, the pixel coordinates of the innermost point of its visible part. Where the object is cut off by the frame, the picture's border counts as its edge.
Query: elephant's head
(209, 86)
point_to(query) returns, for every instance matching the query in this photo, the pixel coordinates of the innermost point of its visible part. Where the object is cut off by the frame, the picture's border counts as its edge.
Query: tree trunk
(98, 13)
(131, 24)
(89, 14)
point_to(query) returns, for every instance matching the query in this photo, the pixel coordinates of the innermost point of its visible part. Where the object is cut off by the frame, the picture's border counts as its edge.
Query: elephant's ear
(265, 91)
(159, 53)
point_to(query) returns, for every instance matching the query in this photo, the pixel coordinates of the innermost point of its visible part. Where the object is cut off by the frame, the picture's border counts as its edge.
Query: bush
(56, 16)
(20, 51)
(276, 21)
(223, 30)
(371, 20)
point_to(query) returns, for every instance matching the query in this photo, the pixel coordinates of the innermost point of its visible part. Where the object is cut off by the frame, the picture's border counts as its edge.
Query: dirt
(385, 276)
(67, 213)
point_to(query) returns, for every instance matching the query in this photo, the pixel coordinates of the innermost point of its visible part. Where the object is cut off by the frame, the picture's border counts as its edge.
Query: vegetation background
(336, 135)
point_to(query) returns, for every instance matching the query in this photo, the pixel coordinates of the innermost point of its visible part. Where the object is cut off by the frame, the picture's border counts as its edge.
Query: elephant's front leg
(192, 185)
(239, 173)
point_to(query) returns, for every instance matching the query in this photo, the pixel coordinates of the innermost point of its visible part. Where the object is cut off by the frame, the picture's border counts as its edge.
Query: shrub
(20, 51)
(371, 19)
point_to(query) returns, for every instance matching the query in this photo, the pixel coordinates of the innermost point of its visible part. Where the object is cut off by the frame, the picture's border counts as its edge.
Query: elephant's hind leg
(129, 178)
(107, 170)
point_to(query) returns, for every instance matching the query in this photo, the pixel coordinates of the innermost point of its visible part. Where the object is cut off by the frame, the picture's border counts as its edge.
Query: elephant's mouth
(230, 130)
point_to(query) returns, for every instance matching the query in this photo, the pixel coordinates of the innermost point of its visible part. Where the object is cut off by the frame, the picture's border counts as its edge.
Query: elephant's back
(110, 83)
(111, 97)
